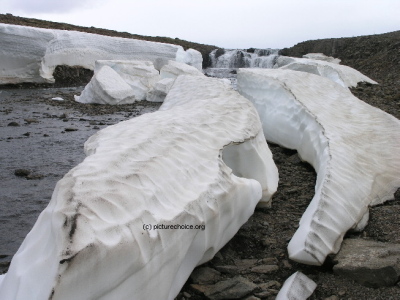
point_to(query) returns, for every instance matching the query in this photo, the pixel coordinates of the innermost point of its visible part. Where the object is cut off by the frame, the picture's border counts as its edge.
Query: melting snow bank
(296, 287)
(343, 75)
(127, 81)
(352, 146)
(97, 239)
(31, 54)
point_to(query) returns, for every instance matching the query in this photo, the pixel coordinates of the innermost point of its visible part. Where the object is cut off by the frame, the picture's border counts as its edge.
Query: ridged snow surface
(97, 237)
(343, 75)
(353, 147)
(31, 54)
(119, 82)
(296, 287)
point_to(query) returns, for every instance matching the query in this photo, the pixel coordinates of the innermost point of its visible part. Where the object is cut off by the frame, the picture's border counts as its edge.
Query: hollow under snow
(194, 164)
(353, 147)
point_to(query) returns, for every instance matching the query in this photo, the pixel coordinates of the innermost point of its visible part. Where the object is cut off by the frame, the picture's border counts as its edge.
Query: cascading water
(224, 62)
(252, 58)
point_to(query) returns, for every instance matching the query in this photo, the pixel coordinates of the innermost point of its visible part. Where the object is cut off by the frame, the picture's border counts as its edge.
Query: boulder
(373, 264)
(342, 137)
(155, 197)
(107, 87)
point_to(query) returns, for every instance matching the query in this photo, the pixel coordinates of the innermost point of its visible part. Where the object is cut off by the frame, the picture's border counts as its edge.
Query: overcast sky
(224, 23)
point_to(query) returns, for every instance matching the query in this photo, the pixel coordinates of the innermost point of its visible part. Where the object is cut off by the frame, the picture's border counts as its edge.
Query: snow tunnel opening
(68, 76)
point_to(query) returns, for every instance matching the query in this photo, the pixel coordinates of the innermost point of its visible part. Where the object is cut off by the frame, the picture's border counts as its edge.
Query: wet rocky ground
(42, 139)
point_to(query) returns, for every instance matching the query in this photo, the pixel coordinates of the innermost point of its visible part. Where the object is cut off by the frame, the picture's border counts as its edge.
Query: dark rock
(29, 121)
(333, 297)
(34, 176)
(14, 124)
(265, 269)
(22, 172)
(295, 159)
(245, 263)
(270, 284)
(27, 134)
(205, 275)
(71, 129)
(252, 298)
(234, 288)
(371, 263)
(230, 269)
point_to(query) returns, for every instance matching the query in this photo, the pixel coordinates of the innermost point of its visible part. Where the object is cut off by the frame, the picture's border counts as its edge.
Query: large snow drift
(353, 147)
(31, 54)
(343, 75)
(97, 239)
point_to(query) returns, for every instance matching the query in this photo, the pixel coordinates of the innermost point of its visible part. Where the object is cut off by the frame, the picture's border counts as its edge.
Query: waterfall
(250, 58)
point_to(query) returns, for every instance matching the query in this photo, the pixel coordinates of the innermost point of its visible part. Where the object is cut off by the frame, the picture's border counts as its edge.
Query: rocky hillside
(203, 49)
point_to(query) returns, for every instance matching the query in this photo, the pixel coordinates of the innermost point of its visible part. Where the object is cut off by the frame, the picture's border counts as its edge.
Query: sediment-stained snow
(296, 287)
(343, 75)
(353, 147)
(31, 54)
(97, 237)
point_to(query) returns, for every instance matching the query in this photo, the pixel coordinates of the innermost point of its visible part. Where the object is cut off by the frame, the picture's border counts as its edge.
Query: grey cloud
(50, 6)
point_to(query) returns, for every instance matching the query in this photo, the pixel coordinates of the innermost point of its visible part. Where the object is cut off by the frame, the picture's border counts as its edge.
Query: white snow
(107, 87)
(160, 90)
(173, 69)
(352, 146)
(321, 56)
(172, 167)
(296, 287)
(140, 75)
(343, 75)
(57, 99)
(31, 54)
